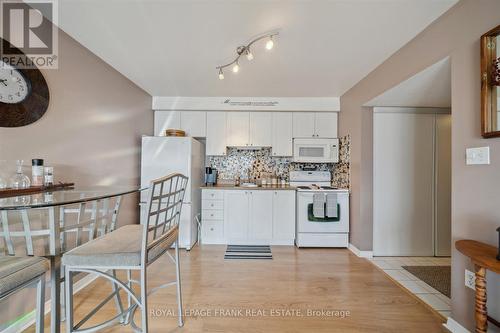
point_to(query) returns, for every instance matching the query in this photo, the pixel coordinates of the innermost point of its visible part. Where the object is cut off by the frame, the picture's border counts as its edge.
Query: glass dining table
(49, 224)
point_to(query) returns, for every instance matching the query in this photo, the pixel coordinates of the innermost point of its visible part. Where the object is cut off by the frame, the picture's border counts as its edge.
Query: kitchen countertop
(258, 188)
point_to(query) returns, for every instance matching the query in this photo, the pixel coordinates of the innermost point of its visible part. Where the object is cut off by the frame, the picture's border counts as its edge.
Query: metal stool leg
(144, 301)
(178, 283)
(118, 301)
(40, 306)
(69, 300)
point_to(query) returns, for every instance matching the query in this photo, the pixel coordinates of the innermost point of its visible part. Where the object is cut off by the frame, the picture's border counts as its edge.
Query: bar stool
(131, 247)
(17, 273)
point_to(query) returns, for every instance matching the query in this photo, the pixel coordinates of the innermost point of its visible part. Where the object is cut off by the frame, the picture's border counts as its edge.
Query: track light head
(249, 54)
(270, 43)
(236, 68)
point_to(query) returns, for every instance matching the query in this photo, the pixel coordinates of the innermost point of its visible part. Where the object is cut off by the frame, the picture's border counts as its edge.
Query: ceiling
(428, 88)
(171, 48)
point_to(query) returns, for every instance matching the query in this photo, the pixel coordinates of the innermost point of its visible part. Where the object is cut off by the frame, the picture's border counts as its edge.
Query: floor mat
(438, 277)
(248, 252)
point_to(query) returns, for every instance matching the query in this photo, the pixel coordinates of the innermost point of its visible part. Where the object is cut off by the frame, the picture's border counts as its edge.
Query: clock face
(14, 87)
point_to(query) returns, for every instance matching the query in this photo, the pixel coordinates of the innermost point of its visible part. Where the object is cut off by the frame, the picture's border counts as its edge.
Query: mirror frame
(486, 87)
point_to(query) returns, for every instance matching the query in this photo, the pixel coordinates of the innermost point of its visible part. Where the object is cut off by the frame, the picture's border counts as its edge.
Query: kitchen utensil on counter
(210, 176)
(174, 132)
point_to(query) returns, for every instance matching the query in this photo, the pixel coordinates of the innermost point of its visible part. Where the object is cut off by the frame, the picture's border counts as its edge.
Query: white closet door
(443, 185)
(403, 184)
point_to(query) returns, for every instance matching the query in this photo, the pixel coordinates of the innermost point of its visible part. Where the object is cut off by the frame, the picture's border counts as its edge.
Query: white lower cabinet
(283, 217)
(251, 217)
(236, 216)
(260, 226)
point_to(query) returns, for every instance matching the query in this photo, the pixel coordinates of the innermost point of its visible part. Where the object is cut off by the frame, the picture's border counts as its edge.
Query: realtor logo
(29, 33)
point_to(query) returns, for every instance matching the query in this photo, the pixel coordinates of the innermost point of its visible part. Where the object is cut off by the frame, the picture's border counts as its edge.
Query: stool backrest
(163, 213)
(30, 231)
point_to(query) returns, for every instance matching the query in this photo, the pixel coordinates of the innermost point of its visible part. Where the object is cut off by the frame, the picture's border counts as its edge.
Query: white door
(194, 123)
(403, 184)
(164, 120)
(216, 134)
(283, 217)
(303, 124)
(443, 185)
(326, 124)
(282, 134)
(260, 228)
(238, 129)
(236, 216)
(261, 129)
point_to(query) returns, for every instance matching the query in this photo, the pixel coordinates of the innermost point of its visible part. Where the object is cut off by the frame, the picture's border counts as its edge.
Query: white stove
(313, 231)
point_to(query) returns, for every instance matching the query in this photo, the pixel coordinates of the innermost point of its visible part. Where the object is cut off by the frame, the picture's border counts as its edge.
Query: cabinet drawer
(213, 204)
(212, 232)
(212, 214)
(212, 195)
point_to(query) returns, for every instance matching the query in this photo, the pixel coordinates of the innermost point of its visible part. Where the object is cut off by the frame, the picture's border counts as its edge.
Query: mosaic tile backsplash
(260, 163)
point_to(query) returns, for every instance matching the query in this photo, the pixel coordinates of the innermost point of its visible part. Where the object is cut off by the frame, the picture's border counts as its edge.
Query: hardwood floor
(263, 290)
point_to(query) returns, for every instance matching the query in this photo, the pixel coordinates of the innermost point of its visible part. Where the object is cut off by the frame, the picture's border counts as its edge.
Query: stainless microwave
(315, 150)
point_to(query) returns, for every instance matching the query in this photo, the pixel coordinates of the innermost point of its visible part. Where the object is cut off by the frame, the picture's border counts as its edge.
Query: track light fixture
(245, 49)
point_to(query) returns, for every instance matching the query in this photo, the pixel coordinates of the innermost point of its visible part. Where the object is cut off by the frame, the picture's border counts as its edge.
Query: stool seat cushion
(16, 271)
(119, 248)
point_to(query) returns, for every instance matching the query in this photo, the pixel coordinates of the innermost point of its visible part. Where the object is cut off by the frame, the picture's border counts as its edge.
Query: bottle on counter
(19, 180)
(37, 172)
(48, 177)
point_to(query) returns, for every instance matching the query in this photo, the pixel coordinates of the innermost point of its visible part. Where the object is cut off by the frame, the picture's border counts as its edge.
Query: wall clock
(24, 95)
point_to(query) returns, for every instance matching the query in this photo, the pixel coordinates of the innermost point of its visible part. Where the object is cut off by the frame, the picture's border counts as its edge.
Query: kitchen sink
(249, 185)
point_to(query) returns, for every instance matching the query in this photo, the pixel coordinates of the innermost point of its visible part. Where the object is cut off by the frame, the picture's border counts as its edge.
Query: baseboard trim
(29, 319)
(454, 327)
(359, 253)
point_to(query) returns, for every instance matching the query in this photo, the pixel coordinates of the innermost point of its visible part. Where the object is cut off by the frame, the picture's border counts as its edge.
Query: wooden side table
(483, 256)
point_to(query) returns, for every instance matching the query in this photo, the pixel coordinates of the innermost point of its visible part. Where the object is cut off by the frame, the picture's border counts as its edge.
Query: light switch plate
(475, 156)
(470, 279)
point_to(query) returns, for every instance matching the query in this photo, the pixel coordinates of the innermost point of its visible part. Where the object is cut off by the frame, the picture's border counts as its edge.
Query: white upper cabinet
(315, 124)
(261, 129)
(303, 124)
(238, 129)
(282, 134)
(326, 124)
(194, 123)
(165, 120)
(216, 133)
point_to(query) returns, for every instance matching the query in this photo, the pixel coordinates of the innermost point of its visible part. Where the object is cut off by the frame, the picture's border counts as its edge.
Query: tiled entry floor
(392, 267)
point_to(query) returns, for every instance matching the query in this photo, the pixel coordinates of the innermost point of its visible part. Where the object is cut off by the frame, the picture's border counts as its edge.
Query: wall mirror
(490, 83)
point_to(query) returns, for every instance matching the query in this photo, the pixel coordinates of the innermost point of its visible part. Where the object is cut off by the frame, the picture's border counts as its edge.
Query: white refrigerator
(165, 155)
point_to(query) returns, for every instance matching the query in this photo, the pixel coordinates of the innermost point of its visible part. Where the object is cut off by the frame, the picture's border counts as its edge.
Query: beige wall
(91, 134)
(475, 189)
(92, 128)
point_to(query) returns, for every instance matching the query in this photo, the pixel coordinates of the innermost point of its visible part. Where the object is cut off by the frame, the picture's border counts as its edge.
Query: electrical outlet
(470, 279)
